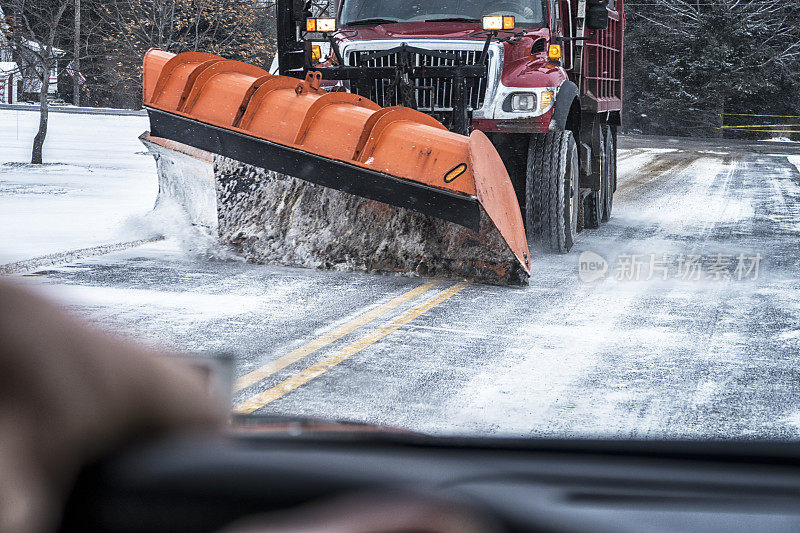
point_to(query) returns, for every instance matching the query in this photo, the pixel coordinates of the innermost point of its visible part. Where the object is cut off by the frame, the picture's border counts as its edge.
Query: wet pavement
(691, 328)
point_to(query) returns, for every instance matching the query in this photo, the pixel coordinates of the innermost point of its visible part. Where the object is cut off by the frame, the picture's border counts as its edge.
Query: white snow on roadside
(778, 140)
(795, 160)
(176, 312)
(790, 336)
(792, 419)
(97, 175)
(169, 219)
(555, 356)
(629, 162)
(701, 204)
(187, 306)
(661, 150)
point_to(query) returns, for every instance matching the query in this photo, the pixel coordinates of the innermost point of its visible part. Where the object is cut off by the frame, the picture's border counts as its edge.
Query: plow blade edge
(341, 141)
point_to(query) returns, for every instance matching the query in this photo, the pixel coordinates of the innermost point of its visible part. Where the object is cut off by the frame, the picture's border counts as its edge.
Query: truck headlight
(522, 102)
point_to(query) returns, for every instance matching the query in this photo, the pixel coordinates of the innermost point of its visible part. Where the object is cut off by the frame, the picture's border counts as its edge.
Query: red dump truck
(545, 86)
(466, 128)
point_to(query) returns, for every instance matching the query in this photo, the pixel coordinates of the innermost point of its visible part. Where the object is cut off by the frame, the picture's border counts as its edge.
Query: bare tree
(128, 28)
(76, 61)
(32, 31)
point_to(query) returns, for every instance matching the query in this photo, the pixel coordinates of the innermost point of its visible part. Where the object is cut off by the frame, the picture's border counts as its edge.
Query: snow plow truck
(438, 137)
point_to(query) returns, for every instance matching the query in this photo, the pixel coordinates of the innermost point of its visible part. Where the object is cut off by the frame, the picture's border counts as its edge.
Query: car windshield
(585, 229)
(527, 12)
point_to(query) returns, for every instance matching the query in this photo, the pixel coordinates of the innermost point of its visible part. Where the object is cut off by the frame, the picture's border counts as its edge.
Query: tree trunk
(38, 141)
(76, 86)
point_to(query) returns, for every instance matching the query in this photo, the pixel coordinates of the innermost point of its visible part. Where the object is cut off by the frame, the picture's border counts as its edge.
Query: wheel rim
(571, 195)
(603, 181)
(572, 216)
(611, 178)
(600, 203)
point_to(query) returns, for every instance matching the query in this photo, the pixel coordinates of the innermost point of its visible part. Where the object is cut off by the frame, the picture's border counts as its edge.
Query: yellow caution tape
(748, 126)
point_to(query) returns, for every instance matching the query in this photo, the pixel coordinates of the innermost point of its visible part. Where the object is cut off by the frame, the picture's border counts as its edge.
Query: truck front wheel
(552, 190)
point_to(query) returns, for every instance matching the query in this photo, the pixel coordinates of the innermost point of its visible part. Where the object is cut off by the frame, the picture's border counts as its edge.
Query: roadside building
(10, 82)
(20, 70)
(10, 79)
(27, 59)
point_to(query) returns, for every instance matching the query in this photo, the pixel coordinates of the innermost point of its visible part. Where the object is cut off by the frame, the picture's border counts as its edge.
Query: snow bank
(779, 140)
(96, 177)
(795, 160)
(277, 219)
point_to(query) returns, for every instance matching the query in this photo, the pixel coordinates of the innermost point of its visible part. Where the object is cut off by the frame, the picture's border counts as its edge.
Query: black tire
(552, 192)
(611, 173)
(595, 203)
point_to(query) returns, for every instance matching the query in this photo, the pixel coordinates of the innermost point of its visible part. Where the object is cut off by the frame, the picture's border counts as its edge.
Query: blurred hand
(69, 394)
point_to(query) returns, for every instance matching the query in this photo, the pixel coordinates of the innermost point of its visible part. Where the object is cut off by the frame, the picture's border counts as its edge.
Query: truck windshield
(527, 12)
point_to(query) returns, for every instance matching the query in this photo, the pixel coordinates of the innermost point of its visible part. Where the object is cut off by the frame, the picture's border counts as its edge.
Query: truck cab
(515, 94)
(542, 78)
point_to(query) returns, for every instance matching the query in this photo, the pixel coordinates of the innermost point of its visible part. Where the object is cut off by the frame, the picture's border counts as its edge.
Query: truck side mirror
(597, 15)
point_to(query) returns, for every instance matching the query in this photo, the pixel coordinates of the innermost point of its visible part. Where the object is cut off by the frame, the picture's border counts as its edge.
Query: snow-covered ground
(97, 183)
(795, 160)
(780, 140)
(646, 358)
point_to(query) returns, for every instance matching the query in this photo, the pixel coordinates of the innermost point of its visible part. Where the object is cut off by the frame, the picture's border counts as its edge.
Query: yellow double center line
(260, 400)
(320, 342)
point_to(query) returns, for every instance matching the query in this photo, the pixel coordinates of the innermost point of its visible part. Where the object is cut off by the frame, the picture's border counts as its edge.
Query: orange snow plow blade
(396, 155)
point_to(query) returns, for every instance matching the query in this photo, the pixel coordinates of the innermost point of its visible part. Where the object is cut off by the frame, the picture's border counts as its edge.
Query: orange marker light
(554, 52)
(456, 172)
(509, 22)
(547, 99)
(316, 53)
(311, 24)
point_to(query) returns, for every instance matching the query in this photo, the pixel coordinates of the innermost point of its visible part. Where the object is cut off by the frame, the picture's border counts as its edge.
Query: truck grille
(437, 100)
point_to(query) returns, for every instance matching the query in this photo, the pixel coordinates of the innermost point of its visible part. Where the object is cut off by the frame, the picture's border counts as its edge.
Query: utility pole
(76, 63)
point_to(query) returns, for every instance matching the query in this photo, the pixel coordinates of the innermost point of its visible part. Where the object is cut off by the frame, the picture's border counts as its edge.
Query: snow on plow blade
(341, 141)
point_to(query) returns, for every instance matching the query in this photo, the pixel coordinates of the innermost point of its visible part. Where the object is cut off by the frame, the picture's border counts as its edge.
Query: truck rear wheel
(552, 191)
(611, 166)
(595, 203)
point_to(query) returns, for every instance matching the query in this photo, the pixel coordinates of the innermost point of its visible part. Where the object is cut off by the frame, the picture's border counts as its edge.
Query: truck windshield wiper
(453, 19)
(371, 22)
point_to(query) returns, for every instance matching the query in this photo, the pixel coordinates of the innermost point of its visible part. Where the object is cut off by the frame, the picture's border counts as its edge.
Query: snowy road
(629, 355)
